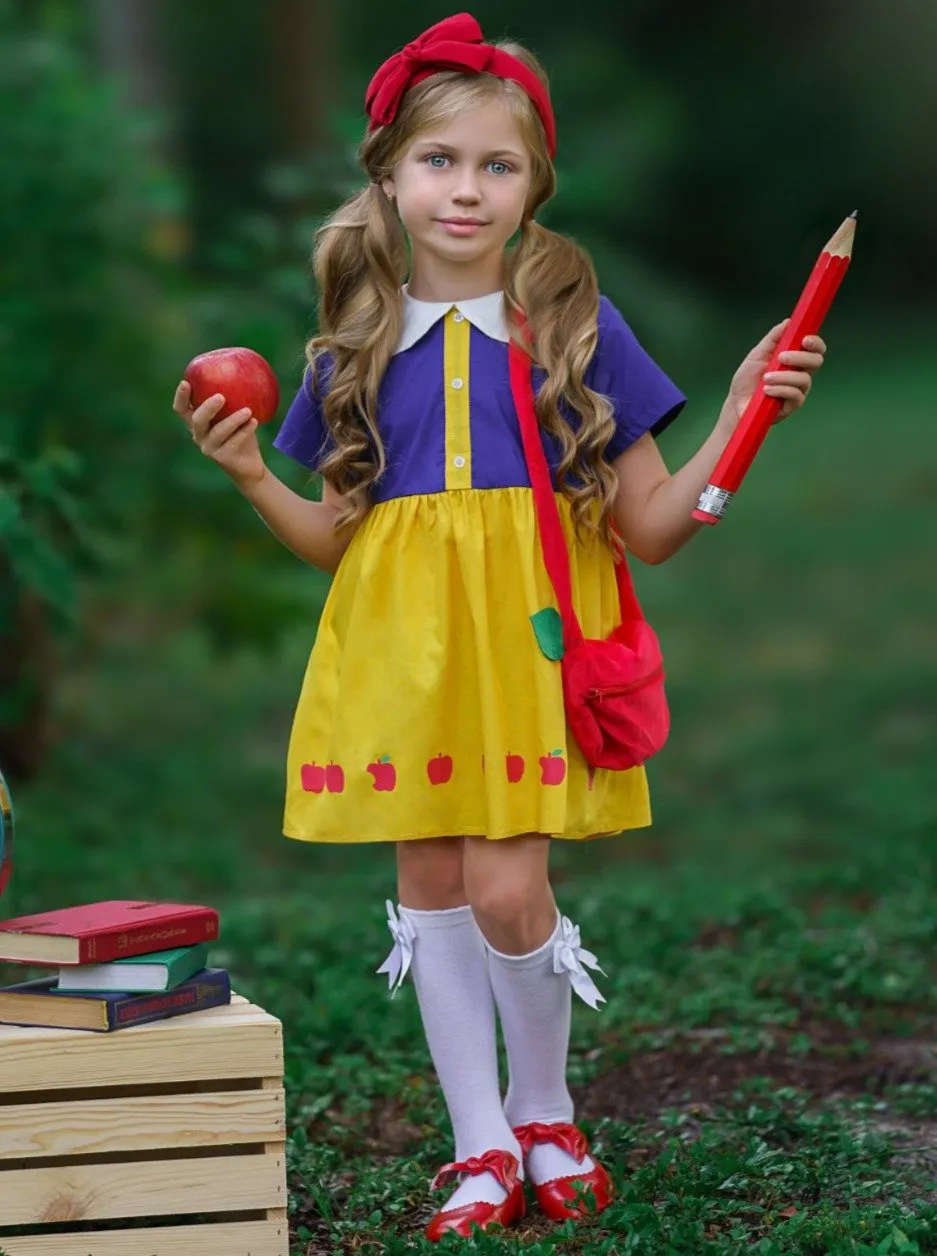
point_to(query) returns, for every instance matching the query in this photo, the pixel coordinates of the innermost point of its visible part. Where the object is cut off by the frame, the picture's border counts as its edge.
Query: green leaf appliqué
(548, 629)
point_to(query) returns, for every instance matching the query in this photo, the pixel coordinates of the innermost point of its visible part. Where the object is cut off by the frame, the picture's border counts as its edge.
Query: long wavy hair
(360, 262)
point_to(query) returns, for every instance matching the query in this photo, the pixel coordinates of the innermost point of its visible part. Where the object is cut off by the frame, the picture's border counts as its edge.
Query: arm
(652, 508)
(305, 527)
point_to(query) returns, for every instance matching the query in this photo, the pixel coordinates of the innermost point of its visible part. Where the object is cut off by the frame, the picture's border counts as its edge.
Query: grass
(762, 1077)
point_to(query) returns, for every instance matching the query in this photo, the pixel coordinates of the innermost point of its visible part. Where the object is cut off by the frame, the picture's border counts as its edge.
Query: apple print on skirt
(439, 770)
(552, 768)
(316, 777)
(384, 773)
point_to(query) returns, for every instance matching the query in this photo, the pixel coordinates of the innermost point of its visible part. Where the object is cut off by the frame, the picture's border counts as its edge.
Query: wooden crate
(181, 1120)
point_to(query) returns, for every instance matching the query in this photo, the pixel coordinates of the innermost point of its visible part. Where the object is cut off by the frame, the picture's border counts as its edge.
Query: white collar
(485, 313)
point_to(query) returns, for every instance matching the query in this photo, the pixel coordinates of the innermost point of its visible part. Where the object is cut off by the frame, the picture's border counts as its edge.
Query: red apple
(384, 773)
(552, 768)
(514, 766)
(312, 776)
(334, 778)
(439, 770)
(243, 377)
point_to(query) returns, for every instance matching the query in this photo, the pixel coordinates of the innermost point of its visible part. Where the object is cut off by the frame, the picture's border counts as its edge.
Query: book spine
(211, 989)
(110, 944)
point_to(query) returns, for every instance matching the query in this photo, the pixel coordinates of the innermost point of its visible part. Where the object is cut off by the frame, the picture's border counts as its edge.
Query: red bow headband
(455, 43)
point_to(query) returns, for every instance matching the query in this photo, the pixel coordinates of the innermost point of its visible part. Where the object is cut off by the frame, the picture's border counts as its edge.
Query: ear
(388, 188)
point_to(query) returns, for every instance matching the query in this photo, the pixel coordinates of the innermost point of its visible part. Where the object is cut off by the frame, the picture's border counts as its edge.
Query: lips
(463, 222)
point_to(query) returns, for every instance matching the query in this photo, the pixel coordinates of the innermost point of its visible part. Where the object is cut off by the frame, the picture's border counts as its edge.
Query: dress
(428, 708)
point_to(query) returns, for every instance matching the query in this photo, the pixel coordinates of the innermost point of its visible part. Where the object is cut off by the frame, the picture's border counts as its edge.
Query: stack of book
(118, 963)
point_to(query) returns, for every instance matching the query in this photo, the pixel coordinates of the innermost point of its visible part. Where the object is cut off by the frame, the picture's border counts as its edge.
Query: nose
(465, 189)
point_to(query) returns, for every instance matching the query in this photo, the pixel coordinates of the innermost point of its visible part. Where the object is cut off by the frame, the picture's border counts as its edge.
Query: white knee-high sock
(534, 997)
(450, 974)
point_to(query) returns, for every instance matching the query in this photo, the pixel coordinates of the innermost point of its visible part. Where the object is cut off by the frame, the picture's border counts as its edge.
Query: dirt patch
(915, 1143)
(693, 1070)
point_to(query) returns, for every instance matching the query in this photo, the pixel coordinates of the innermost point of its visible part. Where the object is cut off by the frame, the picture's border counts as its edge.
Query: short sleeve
(643, 397)
(303, 434)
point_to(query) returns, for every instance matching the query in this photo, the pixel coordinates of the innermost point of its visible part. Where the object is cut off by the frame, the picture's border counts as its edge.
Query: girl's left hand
(790, 381)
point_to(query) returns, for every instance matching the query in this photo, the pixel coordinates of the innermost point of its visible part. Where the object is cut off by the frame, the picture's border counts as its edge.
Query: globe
(6, 834)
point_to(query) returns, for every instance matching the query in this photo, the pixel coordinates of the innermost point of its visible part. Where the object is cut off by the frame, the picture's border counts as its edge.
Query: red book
(94, 933)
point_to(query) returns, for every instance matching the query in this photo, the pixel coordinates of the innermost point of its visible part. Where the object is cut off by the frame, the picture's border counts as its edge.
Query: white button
(457, 383)
(458, 461)
(458, 317)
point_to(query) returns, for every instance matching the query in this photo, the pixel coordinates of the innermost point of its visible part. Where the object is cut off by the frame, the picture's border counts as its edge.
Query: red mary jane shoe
(503, 1166)
(557, 1197)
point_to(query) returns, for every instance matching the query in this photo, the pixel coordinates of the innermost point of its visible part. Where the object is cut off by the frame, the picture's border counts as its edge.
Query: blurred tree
(131, 46)
(72, 307)
(253, 85)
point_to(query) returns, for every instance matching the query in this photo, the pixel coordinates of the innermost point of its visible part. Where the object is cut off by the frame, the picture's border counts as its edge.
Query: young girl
(429, 715)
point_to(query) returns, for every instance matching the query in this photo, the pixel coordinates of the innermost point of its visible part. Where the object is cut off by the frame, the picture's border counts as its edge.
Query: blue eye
(505, 168)
(433, 158)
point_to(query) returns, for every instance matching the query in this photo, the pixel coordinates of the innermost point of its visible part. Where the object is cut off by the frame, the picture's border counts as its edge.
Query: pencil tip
(855, 214)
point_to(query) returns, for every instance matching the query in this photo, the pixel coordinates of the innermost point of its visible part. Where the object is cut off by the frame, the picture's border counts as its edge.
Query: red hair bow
(455, 43)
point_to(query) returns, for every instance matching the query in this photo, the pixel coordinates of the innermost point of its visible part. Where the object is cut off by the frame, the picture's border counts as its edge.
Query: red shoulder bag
(613, 689)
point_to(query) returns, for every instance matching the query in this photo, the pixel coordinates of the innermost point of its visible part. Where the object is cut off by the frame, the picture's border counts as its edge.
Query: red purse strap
(553, 543)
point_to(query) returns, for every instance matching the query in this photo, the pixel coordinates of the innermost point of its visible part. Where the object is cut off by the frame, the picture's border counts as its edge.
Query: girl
(429, 714)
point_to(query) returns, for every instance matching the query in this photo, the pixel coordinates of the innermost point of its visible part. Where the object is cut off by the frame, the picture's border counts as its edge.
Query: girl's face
(461, 189)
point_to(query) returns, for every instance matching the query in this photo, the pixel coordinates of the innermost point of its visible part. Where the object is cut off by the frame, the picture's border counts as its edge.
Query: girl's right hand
(231, 442)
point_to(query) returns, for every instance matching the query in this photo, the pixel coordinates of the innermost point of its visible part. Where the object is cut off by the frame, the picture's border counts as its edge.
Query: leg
(450, 975)
(429, 874)
(507, 884)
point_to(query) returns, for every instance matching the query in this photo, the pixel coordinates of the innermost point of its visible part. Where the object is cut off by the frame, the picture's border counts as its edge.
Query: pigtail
(553, 281)
(360, 263)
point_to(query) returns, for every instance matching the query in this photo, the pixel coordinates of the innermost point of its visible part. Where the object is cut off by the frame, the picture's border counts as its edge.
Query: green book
(144, 974)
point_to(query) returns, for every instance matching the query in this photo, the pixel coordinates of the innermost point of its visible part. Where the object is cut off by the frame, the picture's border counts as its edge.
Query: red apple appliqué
(514, 766)
(312, 776)
(552, 768)
(243, 377)
(384, 773)
(334, 778)
(439, 770)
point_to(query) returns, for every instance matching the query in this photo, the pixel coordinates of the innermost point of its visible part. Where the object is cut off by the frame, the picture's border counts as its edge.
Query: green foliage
(96, 474)
(75, 300)
(42, 526)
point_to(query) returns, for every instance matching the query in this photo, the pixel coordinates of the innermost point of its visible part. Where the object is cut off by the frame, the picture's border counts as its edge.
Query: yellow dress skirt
(428, 708)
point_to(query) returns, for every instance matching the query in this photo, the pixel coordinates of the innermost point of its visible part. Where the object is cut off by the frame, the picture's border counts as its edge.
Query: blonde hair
(360, 263)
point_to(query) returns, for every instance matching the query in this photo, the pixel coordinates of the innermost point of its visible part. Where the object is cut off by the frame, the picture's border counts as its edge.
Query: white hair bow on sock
(569, 956)
(397, 963)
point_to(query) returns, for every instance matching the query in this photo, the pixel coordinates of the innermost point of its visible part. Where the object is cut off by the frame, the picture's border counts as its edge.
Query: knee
(429, 873)
(516, 913)
(502, 900)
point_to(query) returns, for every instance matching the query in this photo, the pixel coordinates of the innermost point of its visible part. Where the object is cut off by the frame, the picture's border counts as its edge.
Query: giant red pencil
(762, 410)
